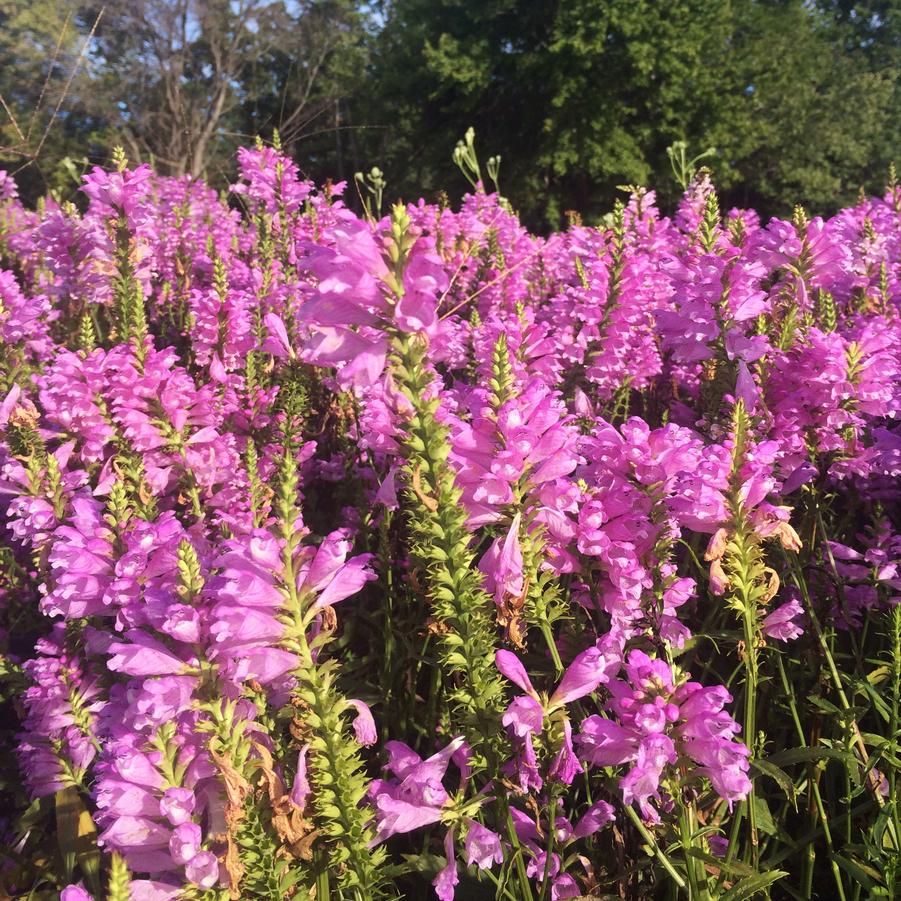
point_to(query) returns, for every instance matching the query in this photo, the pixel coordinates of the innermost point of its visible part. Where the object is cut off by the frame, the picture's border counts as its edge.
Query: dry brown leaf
(416, 484)
(293, 829)
(437, 627)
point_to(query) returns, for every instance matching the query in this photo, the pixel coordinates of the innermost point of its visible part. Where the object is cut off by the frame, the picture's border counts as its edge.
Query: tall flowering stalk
(512, 461)
(460, 607)
(739, 570)
(337, 781)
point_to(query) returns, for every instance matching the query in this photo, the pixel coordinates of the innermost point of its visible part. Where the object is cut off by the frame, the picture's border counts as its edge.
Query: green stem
(525, 886)
(462, 611)
(815, 791)
(499, 889)
(322, 886)
(697, 882)
(750, 724)
(552, 647)
(652, 843)
(872, 780)
(891, 876)
(336, 768)
(549, 850)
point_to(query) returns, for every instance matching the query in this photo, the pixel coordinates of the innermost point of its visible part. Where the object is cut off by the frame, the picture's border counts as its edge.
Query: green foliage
(684, 169)
(793, 96)
(466, 159)
(799, 98)
(338, 780)
(825, 311)
(77, 836)
(46, 127)
(178, 82)
(339, 784)
(373, 184)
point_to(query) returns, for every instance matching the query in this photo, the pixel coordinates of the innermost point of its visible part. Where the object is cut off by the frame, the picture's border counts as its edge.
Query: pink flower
(595, 818)
(447, 878)
(483, 847)
(74, 893)
(203, 869)
(300, 791)
(416, 797)
(658, 723)
(502, 565)
(144, 656)
(782, 624)
(177, 805)
(588, 670)
(185, 842)
(363, 724)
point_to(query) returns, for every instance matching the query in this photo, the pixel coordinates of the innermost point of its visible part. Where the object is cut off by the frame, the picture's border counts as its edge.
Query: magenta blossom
(416, 796)
(526, 714)
(658, 721)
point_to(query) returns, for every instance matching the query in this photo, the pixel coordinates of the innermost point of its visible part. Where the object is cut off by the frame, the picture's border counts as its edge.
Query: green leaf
(736, 867)
(764, 818)
(867, 877)
(824, 705)
(77, 836)
(811, 755)
(880, 706)
(751, 885)
(778, 775)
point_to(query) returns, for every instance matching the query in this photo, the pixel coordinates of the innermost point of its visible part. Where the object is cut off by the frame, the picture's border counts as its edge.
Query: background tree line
(800, 98)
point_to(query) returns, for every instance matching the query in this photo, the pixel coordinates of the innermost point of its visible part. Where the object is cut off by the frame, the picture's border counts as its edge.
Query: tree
(440, 66)
(811, 112)
(174, 69)
(302, 85)
(583, 95)
(870, 30)
(186, 81)
(801, 98)
(43, 111)
(627, 80)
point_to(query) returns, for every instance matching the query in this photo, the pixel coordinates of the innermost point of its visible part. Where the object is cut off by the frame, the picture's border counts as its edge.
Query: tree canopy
(800, 99)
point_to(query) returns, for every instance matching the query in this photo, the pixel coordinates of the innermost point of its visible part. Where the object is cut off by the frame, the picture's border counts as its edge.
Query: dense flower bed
(342, 556)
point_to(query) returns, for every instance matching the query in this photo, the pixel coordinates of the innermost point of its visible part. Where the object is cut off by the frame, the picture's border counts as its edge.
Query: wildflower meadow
(409, 554)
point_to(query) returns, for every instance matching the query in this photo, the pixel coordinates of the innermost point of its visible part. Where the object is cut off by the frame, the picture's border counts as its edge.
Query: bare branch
(68, 84)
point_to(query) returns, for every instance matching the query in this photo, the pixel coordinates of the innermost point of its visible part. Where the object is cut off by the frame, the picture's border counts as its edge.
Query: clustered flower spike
(290, 497)
(657, 723)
